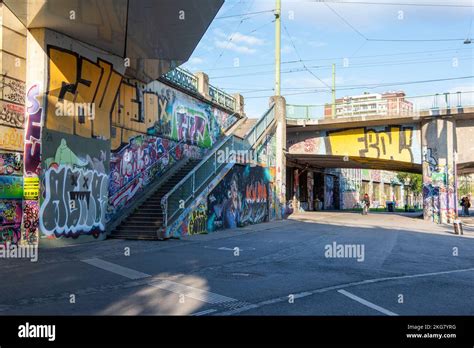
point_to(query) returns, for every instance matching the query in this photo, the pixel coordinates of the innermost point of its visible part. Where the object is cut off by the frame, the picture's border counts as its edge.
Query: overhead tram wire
(385, 40)
(393, 3)
(299, 57)
(368, 86)
(340, 58)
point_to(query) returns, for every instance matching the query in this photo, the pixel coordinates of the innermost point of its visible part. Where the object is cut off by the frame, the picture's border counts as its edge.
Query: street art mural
(197, 220)
(10, 221)
(397, 143)
(32, 165)
(11, 138)
(134, 166)
(157, 109)
(13, 91)
(11, 163)
(75, 187)
(81, 94)
(240, 199)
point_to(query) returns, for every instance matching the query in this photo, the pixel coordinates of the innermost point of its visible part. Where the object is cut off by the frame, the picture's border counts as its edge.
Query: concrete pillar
(239, 104)
(310, 190)
(280, 133)
(439, 145)
(203, 84)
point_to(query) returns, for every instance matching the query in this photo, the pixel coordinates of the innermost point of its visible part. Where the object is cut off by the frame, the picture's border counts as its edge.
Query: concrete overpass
(437, 142)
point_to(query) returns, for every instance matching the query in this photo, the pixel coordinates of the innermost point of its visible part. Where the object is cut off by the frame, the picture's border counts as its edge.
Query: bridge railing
(393, 106)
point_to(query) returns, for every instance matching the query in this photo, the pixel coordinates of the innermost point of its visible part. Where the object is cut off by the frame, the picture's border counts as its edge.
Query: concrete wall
(13, 208)
(465, 141)
(79, 140)
(399, 143)
(242, 197)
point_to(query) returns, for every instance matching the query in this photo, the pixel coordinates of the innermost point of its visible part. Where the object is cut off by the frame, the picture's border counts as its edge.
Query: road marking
(367, 303)
(192, 292)
(117, 269)
(207, 311)
(336, 287)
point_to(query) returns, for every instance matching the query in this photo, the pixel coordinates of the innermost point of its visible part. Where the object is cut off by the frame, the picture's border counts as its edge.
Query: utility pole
(333, 91)
(277, 47)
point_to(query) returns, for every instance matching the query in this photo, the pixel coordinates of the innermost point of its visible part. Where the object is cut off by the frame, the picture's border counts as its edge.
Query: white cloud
(229, 45)
(247, 39)
(195, 60)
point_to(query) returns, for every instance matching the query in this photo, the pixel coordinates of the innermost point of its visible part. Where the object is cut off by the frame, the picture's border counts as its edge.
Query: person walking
(466, 204)
(366, 203)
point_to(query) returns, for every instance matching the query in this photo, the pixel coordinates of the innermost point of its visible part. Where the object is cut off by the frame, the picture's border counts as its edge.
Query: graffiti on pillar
(11, 163)
(75, 185)
(241, 198)
(197, 220)
(430, 159)
(10, 221)
(30, 221)
(81, 94)
(11, 138)
(11, 187)
(12, 115)
(32, 151)
(328, 192)
(13, 90)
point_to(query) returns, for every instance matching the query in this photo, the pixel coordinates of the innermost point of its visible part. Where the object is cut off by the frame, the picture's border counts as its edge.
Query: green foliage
(413, 182)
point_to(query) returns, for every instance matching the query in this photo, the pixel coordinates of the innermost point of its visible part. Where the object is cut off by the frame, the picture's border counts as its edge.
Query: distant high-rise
(389, 103)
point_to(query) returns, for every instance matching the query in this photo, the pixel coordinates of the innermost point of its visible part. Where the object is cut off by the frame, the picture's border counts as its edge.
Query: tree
(413, 182)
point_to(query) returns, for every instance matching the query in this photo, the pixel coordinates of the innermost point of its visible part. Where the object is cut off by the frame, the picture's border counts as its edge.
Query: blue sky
(238, 52)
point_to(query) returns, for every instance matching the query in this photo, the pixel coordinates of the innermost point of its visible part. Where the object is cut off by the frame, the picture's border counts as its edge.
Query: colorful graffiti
(328, 192)
(391, 143)
(241, 198)
(11, 187)
(135, 165)
(159, 110)
(197, 220)
(397, 143)
(12, 115)
(91, 86)
(32, 150)
(11, 138)
(11, 163)
(30, 221)
(75, 185)
(10, 221)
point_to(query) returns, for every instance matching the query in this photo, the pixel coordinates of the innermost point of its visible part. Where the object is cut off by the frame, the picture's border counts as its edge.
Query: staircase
(245, 127)
(147, 220)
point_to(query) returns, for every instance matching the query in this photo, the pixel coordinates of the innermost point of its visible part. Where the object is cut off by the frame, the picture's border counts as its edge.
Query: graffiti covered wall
(397, 143)
(136, 164)
(75, 185)
(240, 199)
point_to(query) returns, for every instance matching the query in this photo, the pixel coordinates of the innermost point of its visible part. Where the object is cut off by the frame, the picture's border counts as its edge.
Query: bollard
(458, 227)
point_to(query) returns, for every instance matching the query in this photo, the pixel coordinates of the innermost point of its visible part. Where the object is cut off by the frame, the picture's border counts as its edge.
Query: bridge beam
(439, 145)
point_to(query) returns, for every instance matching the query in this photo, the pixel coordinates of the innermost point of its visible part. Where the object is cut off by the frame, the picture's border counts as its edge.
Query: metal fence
(397, 106)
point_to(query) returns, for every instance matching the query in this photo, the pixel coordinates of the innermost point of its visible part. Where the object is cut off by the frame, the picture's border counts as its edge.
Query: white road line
(207, 311)
(367, 303)
(189, 291)
(117, 269)
(338, 287)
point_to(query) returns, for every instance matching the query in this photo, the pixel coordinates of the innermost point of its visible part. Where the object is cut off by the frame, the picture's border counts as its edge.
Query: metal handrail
(193, 182)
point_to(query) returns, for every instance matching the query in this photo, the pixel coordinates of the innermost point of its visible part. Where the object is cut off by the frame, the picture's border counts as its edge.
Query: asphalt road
(387, 265)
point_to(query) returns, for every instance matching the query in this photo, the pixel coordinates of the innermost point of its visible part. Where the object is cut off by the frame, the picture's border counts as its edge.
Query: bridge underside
(466, 168)
(325, 161)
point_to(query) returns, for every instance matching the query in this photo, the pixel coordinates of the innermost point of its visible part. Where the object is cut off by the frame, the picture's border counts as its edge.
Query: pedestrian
(466, 204)
(366, 203)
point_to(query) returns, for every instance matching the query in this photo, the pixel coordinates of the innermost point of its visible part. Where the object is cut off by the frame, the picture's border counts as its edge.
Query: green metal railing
(183, 79)
(222, 98)
(399, 106)
(224, 152)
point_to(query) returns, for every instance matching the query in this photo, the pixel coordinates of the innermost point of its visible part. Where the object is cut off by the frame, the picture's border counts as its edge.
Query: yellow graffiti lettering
(11, 138)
